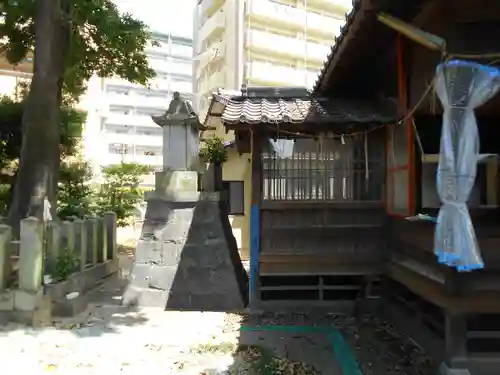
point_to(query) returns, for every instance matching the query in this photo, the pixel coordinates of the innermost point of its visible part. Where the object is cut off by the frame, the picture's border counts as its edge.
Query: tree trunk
(40, 158)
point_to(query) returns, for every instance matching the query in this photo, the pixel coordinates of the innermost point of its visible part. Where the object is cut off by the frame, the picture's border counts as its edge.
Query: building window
(234, 197)
(120, 148)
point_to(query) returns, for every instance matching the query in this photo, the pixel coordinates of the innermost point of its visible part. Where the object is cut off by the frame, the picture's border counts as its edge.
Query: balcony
(291, 18)
(115, 81)
(214, 25)
(338, 7)
(269, 43)
(159, 65)
(267, 74)
(152, 160)
(209, 7)
(181, 86)
(211, 83)
(123, 119)
(158, 50)
(138, 100)
(133, 139)
(213, 53)
(160, 84)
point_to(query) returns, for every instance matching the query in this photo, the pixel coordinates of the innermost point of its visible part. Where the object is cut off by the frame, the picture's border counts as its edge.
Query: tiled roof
(253, 110)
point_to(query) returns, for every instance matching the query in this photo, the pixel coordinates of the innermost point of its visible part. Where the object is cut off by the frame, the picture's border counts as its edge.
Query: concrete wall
(90, 244)
(237, 168)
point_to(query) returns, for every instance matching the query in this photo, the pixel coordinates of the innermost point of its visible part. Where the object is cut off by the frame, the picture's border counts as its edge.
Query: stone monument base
(187, 258)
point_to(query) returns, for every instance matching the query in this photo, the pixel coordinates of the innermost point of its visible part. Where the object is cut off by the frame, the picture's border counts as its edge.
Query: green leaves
(17, 33)
(102, 41)
(212, 150)
(120, 192)
(75, 192)
(11, 113)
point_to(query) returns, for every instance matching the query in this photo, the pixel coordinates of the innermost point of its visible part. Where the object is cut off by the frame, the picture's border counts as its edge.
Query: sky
(166, 16)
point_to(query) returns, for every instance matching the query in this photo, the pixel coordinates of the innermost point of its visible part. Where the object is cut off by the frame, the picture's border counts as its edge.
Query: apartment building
(262, 42)
(11, 76)
(125, 131)
(119, 126)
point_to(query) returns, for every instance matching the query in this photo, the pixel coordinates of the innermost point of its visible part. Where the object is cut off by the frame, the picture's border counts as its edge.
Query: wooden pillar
(256, 167)
(455, 343)
(455, 330)
(408, 124)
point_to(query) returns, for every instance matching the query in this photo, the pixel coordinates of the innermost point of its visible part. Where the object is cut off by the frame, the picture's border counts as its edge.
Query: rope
(353, 134)
(409, 115)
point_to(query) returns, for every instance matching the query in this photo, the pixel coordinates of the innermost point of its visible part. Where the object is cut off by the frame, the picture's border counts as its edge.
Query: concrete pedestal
(187, 259)
(175, 186)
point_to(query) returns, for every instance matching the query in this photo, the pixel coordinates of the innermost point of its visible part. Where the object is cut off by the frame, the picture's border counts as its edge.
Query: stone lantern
(186, 257)
(181, 128)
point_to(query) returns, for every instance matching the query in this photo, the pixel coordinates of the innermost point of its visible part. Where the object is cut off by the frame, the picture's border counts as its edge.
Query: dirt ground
(378, 348)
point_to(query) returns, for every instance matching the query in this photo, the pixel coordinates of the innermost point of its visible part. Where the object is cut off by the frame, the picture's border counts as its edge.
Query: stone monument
(181, 126)
(186, 257)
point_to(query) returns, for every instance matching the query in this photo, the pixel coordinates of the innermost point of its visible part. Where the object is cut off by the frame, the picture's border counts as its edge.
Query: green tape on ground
(344, 354)
(290, 329)
(341, 349)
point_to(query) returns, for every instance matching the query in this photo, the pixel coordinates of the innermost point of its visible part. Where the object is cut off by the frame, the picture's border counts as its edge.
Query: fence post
(110, 222)
(91, 224)
(68, 236)
(101, 240)
(31, 255)
(80, 231)
(53, 234)
(5, 237)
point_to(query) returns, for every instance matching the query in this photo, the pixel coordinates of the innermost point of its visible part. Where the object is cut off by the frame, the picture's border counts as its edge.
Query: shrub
(120, 192)
(75, 191)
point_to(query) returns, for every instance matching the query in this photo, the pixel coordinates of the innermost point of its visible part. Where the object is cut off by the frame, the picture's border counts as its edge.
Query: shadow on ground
(105, 313)
(302, 344)
(287, 344)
